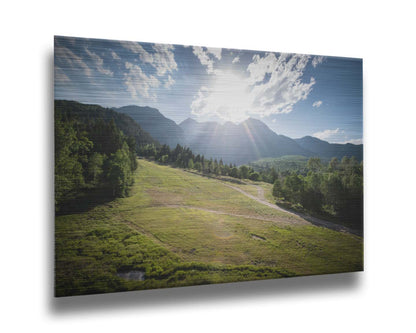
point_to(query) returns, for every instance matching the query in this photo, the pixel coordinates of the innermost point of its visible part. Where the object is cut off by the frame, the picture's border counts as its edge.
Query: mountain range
(234, 143)
(325, 149)
(241, 143)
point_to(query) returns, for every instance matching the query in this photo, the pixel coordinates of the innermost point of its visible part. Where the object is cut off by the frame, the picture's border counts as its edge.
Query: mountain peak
(154, 122)
(256, 123)
(252, 120)
(311, 138)
(188, 121)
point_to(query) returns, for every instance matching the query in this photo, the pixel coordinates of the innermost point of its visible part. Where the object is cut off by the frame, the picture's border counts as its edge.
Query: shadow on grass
(85, 201)
(325, 221)
(297, 287)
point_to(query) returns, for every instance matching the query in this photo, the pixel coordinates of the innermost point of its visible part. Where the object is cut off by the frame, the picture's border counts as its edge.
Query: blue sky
(294, 94)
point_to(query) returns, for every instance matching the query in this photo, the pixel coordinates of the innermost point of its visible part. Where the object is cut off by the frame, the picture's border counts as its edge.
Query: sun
(226, 98)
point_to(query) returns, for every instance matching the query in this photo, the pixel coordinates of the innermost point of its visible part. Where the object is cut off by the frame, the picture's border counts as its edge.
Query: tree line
(335, 189)
(91, 154)
(183, 157)
(94, 153)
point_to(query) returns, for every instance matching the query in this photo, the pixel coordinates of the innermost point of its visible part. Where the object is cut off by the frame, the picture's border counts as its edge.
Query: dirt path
(260, 192)
(313, 220)
(261, 199)
(219, 212)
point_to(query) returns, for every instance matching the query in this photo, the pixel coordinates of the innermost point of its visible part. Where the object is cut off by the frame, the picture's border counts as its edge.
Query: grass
(183, 229)
(251, 187)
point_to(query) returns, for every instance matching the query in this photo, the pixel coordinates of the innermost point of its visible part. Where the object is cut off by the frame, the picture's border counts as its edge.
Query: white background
(380, 299)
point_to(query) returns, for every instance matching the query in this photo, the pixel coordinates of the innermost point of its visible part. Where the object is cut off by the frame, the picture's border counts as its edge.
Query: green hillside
(282, 164)
(87, 113)
(179, 228)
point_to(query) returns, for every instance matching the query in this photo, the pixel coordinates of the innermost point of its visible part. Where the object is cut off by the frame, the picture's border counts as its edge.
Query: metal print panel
(186, 165)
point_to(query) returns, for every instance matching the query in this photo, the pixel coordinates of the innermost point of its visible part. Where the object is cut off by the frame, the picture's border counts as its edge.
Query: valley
(181, 228)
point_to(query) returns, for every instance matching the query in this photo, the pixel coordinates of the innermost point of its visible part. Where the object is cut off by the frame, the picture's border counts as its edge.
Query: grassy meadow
(181, 228)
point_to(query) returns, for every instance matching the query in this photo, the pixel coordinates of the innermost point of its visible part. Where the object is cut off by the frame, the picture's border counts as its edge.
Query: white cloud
(169, 82)
(215, 52)
(284, 88)
(138, 83)
(99, 63)
(69, 59)
(274, 85)
(199, 103)
(207, 56)
(317, 60)
(317, 104)
(136, 48)
(353, 141)
(162, 59)
(204, 58)
(327, 134)
(336, 136)
(60, 76)
(115, 56)
(235, 60)
(227, 98)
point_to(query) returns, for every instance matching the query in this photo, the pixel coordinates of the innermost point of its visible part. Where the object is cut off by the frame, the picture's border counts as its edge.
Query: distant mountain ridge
(241, 143)
(163, 129)
(234, 143)
(325, 149)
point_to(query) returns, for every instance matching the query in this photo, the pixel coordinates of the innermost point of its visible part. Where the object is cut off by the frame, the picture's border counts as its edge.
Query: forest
(91, 157)
(333, 191)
